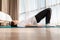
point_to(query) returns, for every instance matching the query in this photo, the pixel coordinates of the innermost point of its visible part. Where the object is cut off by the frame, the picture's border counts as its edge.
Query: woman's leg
(48, 16)
(45, 13)
(40, 16)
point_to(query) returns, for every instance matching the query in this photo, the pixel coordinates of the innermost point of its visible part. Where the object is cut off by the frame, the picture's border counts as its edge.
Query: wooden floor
(29, 33)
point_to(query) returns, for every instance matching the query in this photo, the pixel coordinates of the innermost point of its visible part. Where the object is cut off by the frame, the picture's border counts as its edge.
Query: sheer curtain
(55, 6)
(26, 7)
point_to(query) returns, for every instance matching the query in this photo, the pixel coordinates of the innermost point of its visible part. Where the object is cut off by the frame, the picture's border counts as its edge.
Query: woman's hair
(13, 24)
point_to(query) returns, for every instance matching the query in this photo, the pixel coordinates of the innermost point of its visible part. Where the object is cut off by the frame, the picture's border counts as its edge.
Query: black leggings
(45, 13)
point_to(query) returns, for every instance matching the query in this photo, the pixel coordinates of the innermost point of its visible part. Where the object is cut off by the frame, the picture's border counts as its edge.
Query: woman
(37, 18)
